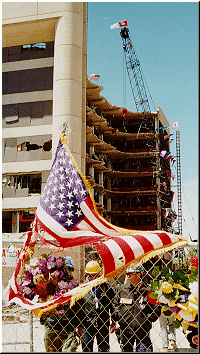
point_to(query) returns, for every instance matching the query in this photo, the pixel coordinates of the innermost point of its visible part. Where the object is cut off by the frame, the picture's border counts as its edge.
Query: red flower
(193, 263)
(152, 301)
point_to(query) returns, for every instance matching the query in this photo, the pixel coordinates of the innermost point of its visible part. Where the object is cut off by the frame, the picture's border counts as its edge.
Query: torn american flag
(67, 216)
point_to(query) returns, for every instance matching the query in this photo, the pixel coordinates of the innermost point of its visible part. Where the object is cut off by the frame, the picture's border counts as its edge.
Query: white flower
(35, 299)
(187, 317)
(27, 266)
(194, 288)
(33, 262)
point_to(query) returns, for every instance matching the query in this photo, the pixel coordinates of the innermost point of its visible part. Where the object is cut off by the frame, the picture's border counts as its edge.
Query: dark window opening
(27, 146)
(34, 183)
(7, 221)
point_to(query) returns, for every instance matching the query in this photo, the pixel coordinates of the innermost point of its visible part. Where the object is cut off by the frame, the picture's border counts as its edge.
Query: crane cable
(124, 83)
(188, 206)
(189, 210)
(148, 89)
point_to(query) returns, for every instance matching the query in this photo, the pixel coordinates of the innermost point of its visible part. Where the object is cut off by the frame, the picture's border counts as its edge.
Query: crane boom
(134, 73)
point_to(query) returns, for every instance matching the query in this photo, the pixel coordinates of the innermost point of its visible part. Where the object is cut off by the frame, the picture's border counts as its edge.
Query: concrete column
(67, 84)
(15, 222)
(101, 184)
(109, 201)
(84, 87)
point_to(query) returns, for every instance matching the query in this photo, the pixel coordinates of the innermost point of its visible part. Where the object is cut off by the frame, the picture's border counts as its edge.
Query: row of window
(32, 182)
(26, 114)
(28, 52)
(30, 80)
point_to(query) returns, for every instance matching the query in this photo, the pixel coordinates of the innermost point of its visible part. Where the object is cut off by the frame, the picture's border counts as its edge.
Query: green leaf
(176, 324)
(155, 285)
(155, 271)
(169, 278)
(179, 275)
(193, 275)
(164, 271)
(153, 295)
(186, 283)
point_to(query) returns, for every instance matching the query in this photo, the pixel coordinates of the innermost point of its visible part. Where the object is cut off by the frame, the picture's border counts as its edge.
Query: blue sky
(165, 37)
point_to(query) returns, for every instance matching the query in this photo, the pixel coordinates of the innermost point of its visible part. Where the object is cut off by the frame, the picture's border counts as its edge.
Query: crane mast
(134, 73)
(141, 99)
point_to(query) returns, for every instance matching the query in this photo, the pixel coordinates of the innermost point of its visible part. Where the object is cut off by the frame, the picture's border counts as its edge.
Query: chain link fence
(22, 331)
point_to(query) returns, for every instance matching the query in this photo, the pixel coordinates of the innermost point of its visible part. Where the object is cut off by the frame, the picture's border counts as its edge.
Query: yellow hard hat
(92, 267)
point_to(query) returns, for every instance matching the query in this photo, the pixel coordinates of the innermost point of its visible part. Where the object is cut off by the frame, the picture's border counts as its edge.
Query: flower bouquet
(178, 293)
(45, 278)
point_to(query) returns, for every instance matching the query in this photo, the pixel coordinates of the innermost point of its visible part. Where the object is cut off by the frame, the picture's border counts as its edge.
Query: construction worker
(98, 310)
(134, 313)
(63, 325)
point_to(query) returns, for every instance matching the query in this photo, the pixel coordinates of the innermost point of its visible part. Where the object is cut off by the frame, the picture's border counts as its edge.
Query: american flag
(167, 156)
(67, 216)
(94, 77)
(66, 210)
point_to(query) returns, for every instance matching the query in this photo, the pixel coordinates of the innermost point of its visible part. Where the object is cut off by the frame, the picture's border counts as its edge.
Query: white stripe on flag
(83, 225)
(135, 245)
(96, 222)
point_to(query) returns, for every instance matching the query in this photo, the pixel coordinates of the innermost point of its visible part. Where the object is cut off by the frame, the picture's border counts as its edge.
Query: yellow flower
(167, 287)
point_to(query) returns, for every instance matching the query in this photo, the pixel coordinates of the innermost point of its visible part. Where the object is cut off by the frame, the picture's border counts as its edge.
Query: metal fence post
(31, 330)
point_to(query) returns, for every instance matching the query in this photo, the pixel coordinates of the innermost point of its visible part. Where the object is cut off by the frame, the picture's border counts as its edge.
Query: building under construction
(129, 177)
(117, 150)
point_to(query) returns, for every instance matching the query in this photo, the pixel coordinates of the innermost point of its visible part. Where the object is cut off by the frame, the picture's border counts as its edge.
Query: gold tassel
(39, 312)
(86, 289)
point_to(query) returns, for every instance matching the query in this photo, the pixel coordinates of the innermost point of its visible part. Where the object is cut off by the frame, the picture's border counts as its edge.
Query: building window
(35, 46)
(31, 182)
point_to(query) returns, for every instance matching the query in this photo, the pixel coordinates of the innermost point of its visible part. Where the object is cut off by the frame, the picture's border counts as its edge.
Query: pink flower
(55, 273)
(63, 284)
(59, 262)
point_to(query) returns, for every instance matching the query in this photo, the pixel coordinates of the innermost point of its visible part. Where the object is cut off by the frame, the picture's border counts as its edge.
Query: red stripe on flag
(49, 231)
(146, 244)
(126, 249)
(106, 256)
(166, 240)
(69, 242)
(11, 294)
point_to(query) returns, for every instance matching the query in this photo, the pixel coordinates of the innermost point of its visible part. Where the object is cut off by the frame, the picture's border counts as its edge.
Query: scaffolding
(179, 182)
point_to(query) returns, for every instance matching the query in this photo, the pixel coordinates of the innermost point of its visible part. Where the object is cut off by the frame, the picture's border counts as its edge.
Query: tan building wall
(66, 24)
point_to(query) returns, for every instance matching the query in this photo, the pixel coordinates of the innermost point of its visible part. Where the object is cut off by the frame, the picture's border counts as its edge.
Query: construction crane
(142, 105)
(134, 73)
